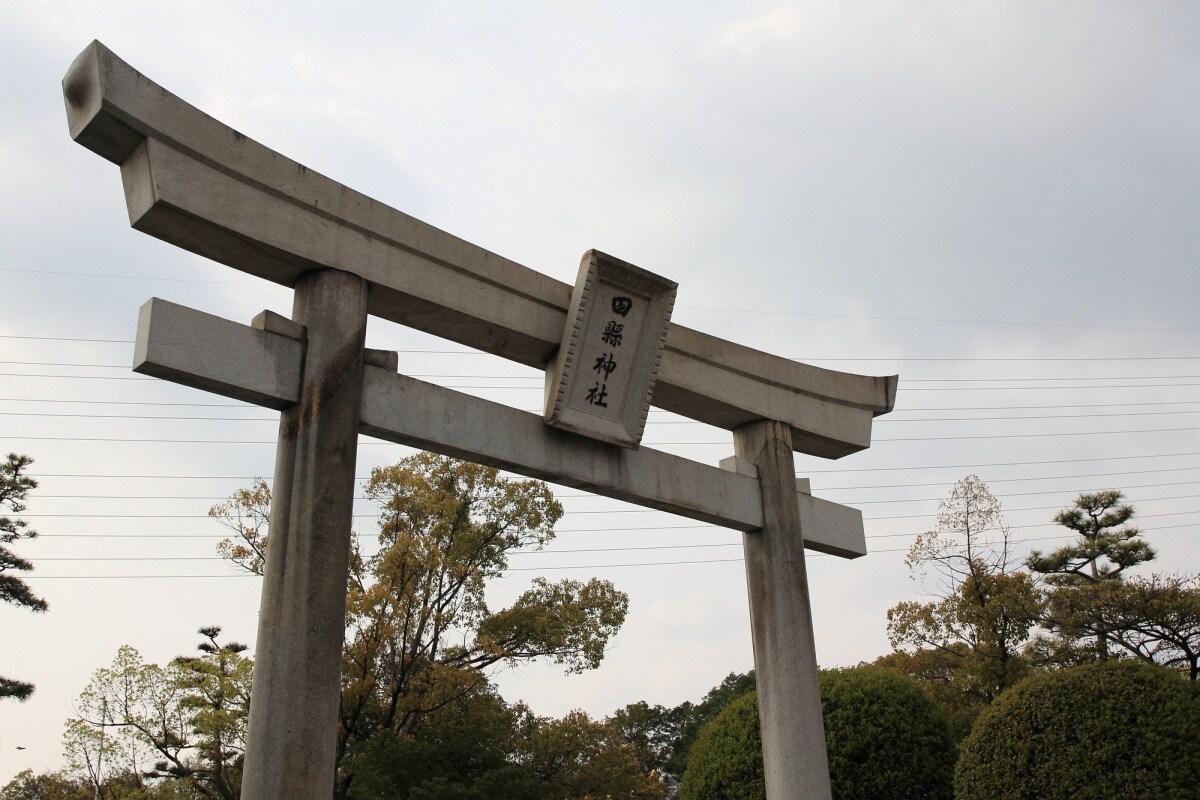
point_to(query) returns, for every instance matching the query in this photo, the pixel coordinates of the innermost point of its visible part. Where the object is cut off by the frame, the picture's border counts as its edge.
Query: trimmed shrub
(1110, 729)
(726, 761)
(887, 740)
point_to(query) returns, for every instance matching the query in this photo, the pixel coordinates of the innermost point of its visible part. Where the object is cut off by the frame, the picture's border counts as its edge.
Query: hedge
(886, 739)
(1110, 729)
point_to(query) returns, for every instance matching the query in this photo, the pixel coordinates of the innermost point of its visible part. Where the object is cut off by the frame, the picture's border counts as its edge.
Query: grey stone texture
(201, 185)
(785, 658)
(601, 381)
(197, 184)
(209, 353)
(252, 364)
(292, 737)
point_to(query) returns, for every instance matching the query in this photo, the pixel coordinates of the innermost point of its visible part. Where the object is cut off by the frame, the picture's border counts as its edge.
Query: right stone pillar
(785, 660)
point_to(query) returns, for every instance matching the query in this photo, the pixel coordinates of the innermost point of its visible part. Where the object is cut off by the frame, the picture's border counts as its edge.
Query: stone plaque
(602, 378)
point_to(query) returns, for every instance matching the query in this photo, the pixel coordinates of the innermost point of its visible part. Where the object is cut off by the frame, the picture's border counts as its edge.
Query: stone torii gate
(198, 184)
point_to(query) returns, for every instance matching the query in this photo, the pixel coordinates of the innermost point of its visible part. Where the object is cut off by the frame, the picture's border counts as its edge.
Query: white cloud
(780, 25)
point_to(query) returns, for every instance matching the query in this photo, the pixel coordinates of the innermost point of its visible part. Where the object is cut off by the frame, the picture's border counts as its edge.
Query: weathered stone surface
(795, 764)
(186, 346)
(291, 741)
(408, 411)
(601, 382)
(196, 183)
(397, 408)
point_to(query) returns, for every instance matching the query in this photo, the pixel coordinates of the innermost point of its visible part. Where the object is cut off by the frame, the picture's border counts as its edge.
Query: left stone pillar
(292, 736)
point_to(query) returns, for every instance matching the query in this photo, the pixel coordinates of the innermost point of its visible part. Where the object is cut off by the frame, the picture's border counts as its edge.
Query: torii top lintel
(198, 184)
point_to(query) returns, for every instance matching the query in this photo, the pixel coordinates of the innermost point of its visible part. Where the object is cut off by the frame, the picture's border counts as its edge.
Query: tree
(726, 760)
(181, 726)
(886, 740)
(47, 786)
(1107, 546)
(14, 486)
(662, 738)
(1109, 729)
(1155, 619)
(59, 786)
(580, 758)
(420, 632)
(480, 748)
(972, 638)
(466, 750)
(216, 692)
(944, 677)
(653, 732)
(247, 513)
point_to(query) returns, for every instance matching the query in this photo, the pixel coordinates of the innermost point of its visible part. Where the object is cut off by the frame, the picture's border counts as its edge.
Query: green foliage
(690, 718)
(1112, 729)
(577, 757)
(662, 737)
(1079, 574)
(14, 486)
(59, 786)
(247, 513)
(462, 751)
(47, 786)
(726, 762)
(652, 731)
(1106, 546)
(177, 729)
(448, 527)
(885, 738)
(479, 748)
(1155, 619)
(940, 673)
(970, 641)
(420, 633)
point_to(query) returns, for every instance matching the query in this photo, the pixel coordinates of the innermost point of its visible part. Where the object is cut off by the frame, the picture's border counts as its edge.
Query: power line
(885, 420)
(1106, 327)
(1018, 435)
(125, 402)
(861, 488)
(477, 376)
(160, 278)
(994, 464)
(1043, 388)
(701, 526)
(802, 473)
(1006, 480)
(529, 569)
(570, 513)
(372, 441)
(889, 417)
(67, 339)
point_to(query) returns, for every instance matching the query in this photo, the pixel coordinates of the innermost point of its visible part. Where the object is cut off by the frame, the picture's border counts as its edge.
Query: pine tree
(1107, 546)
(14, 486)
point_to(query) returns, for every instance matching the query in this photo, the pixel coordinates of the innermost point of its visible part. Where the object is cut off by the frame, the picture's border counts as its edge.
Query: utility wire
(649, 423)
(802, 473)
(376, 442)
(244, 574)
(538, 379)
(570, 513)
(890, 415)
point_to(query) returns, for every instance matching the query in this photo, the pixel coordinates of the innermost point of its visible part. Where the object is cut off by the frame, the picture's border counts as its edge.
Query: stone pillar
(789, 698)
(292, 736)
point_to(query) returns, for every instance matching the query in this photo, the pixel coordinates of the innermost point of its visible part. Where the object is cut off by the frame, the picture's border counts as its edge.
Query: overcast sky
(997, 201)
